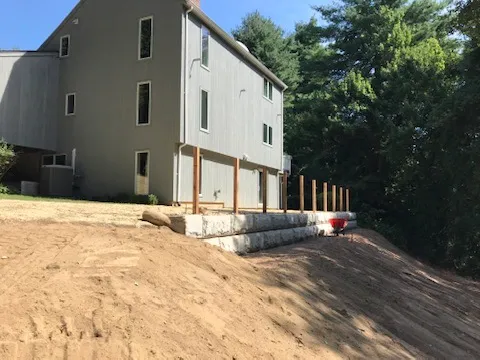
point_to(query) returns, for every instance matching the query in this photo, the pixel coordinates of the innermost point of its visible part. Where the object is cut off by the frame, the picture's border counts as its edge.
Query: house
(123, 91)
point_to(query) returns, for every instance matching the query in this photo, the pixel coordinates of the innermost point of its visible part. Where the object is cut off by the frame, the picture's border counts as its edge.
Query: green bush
(152, 199)
(124, 198)
(7, 158)
(4, 190)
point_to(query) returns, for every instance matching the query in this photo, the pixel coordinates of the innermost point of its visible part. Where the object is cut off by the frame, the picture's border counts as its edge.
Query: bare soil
(71, 291)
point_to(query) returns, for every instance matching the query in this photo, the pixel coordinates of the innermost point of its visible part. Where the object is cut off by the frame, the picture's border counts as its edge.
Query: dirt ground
(71, 291)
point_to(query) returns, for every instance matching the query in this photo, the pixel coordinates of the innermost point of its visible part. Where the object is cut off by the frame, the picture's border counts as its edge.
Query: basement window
(58, 159)
(70, 104)
(64, 46)
(205, 110)
(145, 38)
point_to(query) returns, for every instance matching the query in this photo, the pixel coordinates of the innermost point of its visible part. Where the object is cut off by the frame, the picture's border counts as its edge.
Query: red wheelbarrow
(338, 225)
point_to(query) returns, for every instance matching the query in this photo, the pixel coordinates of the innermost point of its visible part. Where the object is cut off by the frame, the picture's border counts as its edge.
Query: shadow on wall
(363, 298)
(29, 99)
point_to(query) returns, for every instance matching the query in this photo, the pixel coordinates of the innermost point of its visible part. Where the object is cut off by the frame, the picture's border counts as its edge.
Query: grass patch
(37, 198)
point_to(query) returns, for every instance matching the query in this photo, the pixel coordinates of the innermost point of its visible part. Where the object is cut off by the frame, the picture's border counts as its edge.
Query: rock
(203, 211)
(156, 218)
(4, 257)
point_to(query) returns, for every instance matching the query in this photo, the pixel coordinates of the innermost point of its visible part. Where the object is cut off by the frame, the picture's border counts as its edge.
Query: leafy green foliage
(7, 158)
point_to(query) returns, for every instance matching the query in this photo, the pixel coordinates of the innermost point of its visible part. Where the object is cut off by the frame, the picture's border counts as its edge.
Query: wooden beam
(325, 196)
(314, 195)
(302, 194)
(347, 198)
(196, 180)
(341, 198)
(265, 189)
(236, 172)
(284, 192)
(334, 197)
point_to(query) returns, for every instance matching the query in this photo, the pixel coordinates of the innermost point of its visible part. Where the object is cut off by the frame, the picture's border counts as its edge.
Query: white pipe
(185, 107)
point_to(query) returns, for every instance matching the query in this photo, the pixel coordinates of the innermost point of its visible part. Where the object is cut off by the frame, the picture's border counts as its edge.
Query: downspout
(185, 107)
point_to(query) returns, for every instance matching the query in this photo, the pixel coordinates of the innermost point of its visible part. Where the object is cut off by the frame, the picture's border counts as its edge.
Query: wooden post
(265, 189)
(236, 171)
(334, 197)
(314, 195)
(325, 196)
(196, 180)
(302, 194)
(347, 198)
(341, 198)
(284, 192)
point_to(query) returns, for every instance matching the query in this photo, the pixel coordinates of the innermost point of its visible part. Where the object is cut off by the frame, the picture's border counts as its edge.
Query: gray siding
(237, 106)
(28, 99)
(103, 71)
(217, 181)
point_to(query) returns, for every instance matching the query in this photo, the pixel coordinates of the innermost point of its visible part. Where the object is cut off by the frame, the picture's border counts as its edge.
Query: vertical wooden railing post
(314, 195)
(196, 180)
(302, 194)
(334, 198)
(347, 197)
(265, 189)
(341, 198)
(325, 196)
(236, 171)
(284, 192)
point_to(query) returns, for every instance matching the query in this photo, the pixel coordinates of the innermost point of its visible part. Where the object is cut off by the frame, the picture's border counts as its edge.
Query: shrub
(152, 199)
(7, 158)
(124, 198)
(4, 189)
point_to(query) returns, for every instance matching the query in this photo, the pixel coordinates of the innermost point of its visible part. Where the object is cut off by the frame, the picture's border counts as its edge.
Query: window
(260, 187)
(200, 170)
(267, 135)
(142, 164)
(205, 46)
(70, 104)
(60, 159)
(267, 89)
(64, 46)
(204, 110)
(144, 90)
(145, 38)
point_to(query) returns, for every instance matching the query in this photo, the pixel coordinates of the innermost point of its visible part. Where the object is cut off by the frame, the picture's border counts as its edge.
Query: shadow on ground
(364, 298)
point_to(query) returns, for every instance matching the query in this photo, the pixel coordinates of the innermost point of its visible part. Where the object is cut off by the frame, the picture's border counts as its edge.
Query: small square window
(70, 104)
(64, 46)
(204, 110)
(48, 160)
(205, 46)
(145, 46)
(58, 159)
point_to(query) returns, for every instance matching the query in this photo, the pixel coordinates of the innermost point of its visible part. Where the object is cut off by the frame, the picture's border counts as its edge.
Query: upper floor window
(267, 89)
(267, 134)
(144, 90)
(145, 41)
(205, 46)
(64, 46)
(70, 104)
(204, 113)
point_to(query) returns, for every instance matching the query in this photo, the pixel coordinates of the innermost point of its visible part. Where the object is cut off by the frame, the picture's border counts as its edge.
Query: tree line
(384, 97)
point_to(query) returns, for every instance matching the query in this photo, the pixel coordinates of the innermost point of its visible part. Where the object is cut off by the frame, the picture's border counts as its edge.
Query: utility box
(287, 163)
(56, 181)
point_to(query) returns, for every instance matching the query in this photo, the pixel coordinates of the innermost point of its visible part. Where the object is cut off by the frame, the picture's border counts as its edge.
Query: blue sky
(41, 17)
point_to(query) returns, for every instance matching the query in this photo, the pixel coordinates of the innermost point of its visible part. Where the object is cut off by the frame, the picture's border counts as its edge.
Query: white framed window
(205, 39)
(260, 186)
(142, 172)
(144, 103)
(70, 104)
(200, 182)
(145, 38)
(204, 110)
(267, 135)
(54, 159)
(267, 89)
(64, 50)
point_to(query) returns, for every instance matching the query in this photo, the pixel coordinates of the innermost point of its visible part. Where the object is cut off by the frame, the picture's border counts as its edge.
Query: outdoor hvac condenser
(56, 181)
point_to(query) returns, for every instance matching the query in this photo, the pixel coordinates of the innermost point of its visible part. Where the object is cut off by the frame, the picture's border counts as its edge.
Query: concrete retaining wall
(253, 242)
(206, 227)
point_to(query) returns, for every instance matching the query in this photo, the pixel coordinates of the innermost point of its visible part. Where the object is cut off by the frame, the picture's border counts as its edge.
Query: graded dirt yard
(71, 291)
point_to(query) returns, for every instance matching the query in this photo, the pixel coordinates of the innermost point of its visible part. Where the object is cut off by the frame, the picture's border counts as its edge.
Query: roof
(12, 53)
(247, 56)
(233, 44)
